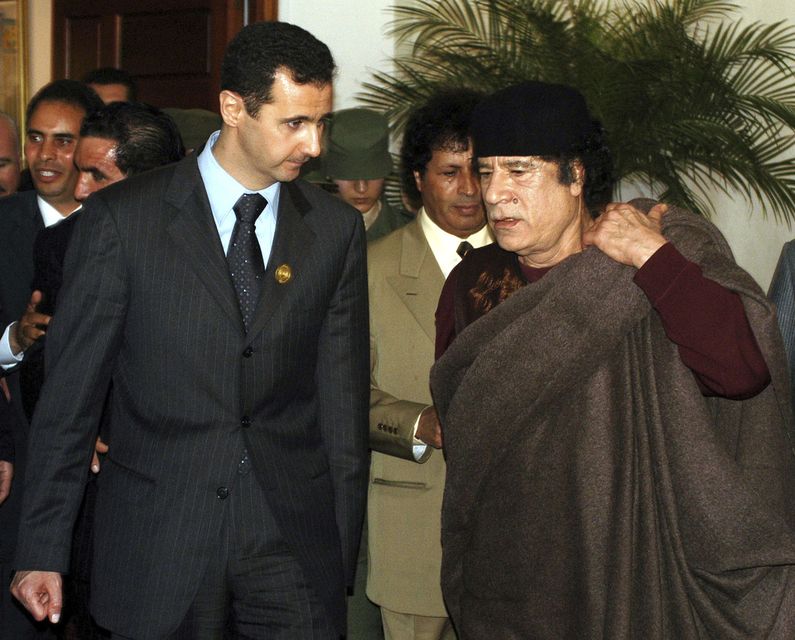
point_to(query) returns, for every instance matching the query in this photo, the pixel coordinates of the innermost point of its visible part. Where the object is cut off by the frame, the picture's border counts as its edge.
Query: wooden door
(172, 48)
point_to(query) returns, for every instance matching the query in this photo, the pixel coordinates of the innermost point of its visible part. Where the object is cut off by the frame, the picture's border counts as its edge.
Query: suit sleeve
(7, 417)
(342, 393)
(392, 420)
(86, 330)
(7, 414)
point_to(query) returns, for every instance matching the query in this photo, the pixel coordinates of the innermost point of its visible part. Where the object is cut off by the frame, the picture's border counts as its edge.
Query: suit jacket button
(248, 352)
(245, 422)
(222, 493)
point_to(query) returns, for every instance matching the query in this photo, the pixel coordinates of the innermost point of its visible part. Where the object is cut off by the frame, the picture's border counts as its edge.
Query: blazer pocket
(400, 484)
(124, 483)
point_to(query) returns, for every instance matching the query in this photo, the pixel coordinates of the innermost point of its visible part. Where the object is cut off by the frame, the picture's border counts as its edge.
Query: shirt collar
(371, 215)
(223, 190)
(49, 214)
(438, 237)
(444, 245)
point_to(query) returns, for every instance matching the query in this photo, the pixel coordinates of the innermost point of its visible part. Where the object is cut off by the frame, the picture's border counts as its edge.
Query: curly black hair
(259, 50)
(442, 123)
(145, 136)
(597, 162)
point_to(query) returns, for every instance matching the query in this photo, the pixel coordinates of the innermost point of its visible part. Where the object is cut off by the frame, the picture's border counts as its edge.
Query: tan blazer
(405, 497)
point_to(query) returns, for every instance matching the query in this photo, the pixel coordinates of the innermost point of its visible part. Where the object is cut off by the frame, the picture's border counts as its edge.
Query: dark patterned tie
(463, 248)
(244, 255)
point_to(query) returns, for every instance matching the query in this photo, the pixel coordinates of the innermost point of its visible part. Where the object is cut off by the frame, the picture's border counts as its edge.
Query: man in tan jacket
(406, 272)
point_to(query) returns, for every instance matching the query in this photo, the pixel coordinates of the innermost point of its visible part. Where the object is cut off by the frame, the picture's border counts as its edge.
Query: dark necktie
(463, 248)
(244, 255)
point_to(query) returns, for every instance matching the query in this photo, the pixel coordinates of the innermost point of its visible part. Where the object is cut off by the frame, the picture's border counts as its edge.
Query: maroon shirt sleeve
(707, 322)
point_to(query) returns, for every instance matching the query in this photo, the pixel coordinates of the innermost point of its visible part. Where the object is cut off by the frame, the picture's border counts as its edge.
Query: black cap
(530, 119)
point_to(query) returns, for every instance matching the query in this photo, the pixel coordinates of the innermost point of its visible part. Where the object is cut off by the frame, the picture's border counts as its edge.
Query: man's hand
(6, 476)
(40, 592)
(29, 328)
(429, 429)
(626, 234)
(99, 448)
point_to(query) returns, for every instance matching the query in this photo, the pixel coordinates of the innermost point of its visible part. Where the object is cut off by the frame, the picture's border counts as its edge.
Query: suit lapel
(420, 279)
(291, 246)
(194, 232)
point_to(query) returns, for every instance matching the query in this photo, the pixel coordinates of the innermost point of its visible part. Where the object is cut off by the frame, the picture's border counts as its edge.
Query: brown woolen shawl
(592, 491)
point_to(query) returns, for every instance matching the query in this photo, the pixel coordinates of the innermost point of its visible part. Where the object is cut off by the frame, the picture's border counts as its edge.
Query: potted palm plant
(693, 101)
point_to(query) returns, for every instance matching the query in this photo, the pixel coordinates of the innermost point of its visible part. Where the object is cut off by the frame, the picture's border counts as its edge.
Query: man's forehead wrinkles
(518, 161)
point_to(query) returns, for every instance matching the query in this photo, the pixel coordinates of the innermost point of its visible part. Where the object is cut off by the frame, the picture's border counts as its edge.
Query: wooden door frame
(260, 10)
(265, 11)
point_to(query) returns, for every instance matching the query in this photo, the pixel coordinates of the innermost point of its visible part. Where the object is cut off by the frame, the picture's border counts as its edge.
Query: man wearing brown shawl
(617, 426)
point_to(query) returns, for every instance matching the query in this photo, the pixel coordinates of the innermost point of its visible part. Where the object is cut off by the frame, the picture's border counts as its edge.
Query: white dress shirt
(223, 192)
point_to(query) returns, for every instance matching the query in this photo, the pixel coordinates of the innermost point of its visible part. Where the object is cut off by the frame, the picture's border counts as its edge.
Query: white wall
(354, 30)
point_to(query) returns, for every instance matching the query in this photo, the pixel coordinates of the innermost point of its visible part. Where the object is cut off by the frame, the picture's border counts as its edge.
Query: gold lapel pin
(283, 274)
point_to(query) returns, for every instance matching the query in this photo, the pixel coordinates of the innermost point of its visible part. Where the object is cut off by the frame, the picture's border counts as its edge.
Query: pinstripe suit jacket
(782, 293)
(147, 302)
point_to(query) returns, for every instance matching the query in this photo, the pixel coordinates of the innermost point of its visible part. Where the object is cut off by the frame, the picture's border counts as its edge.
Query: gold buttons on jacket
(283, 274)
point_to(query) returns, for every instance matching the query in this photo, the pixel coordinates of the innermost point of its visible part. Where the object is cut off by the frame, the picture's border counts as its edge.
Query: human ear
(577, 172)
(231, 107)
(418, 180)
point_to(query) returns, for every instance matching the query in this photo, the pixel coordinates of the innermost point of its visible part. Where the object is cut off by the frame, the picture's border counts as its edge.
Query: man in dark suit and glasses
(234, 487)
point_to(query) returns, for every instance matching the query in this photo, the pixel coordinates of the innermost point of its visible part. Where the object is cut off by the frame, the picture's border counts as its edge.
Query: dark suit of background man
(236, 476)
(53, 121)
(9, 181)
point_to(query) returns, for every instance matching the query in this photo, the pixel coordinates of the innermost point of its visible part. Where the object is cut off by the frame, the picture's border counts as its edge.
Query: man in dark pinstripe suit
(234, 487)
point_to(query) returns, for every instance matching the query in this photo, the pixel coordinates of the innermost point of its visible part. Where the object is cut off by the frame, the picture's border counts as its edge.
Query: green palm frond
(693, 101)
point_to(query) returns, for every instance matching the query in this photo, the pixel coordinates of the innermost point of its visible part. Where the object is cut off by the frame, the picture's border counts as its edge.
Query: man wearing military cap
(357, 160)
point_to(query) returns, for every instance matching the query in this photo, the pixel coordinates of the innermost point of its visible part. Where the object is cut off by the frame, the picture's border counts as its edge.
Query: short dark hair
(145, 137)
(597, 162)
(69, 92)
(112, 75)
(442, 123)
(259, 50)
